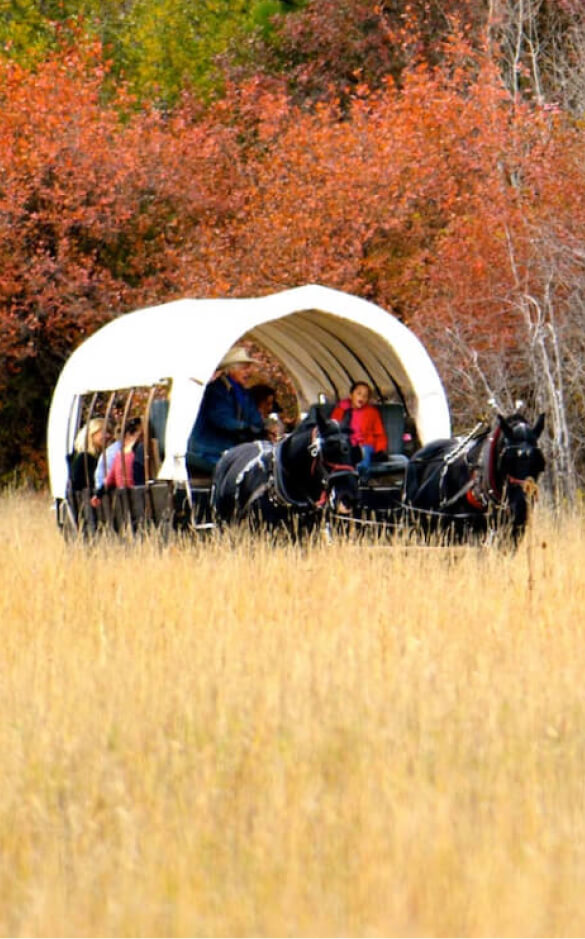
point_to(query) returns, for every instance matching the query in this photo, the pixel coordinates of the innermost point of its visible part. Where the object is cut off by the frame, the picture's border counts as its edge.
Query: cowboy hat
(237, 355)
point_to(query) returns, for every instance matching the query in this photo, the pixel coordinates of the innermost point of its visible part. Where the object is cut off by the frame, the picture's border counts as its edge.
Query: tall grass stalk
(237, 740)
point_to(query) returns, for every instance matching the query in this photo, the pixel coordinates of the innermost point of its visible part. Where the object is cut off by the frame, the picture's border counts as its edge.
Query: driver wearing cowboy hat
(228, 414)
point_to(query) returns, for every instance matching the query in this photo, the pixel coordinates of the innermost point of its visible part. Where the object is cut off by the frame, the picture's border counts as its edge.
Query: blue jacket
(227, 416)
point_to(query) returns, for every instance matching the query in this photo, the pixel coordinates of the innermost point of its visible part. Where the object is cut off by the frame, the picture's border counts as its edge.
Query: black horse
(293, 483)
(467, 486)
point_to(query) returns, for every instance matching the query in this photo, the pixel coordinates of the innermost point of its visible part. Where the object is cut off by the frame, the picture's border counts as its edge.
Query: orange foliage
(413, 199)
(93, 207)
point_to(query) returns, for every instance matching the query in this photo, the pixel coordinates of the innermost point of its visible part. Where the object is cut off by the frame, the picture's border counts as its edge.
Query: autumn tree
(539, 46)
(92, 210)
(330, 47)
(158, 50)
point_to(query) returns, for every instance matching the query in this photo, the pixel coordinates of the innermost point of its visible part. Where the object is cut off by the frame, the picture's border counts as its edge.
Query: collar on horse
(482, 487)
(484, 483)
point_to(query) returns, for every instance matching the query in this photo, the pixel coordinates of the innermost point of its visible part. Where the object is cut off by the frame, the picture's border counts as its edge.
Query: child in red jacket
(366, 430)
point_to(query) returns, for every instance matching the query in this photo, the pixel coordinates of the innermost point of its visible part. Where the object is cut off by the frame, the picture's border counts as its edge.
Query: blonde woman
(88, 445)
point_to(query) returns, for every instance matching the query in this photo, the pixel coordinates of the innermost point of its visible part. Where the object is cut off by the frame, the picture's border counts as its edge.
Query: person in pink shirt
(127, 469)
(366, 430)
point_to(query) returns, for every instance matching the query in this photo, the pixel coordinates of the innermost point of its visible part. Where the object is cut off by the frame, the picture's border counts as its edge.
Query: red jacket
(365, 426)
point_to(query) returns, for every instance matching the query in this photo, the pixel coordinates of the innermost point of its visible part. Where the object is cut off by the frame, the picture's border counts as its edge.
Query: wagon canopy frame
(323, 338)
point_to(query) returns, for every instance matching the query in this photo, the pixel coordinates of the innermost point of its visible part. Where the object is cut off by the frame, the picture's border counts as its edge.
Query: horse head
(332, 453)
(520, 457)
(519, 464)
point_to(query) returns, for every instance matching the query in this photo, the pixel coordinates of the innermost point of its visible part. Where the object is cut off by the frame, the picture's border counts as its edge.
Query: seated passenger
(88, 445)
(265, 399)
(127, 469)
(274, 428)
(366, 430)
(106, 459)
(228, 414)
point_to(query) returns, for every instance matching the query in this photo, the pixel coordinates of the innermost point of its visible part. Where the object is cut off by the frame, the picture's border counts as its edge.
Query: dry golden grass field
(214, 741)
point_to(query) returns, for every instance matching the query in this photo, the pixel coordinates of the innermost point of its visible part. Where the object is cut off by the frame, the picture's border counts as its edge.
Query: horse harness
(481, 451)
(269, 459)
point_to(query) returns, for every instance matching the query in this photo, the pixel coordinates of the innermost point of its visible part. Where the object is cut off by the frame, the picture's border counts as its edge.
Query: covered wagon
(155, 363)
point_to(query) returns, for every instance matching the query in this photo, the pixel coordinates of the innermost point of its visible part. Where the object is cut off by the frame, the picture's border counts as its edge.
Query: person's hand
(95, 502)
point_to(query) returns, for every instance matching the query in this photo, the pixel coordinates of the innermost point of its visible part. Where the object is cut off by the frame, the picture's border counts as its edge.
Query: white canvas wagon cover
(323, 338)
